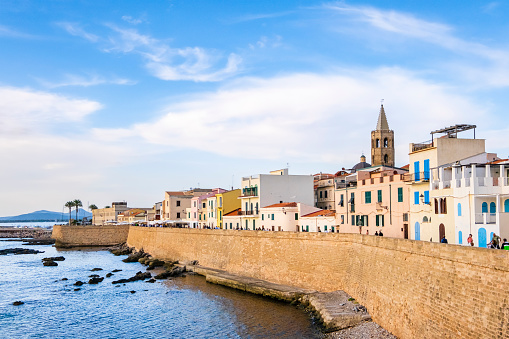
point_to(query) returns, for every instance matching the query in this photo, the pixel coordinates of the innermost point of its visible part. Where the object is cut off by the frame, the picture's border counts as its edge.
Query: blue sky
(123, 100)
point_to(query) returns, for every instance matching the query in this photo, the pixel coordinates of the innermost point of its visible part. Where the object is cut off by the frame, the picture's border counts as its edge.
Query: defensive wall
(75, 236)
(414, 289)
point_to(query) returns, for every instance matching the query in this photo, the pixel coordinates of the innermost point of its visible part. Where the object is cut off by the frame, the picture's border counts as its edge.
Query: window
(416, 198)
(342, 219)
(377, 143)
(386, 143)
(386, 160)
(262, 216)
(307, 228)
(203, 205)
(220, 201)
(189, 215)
(379, 195)
(426, 170)
(353, 220)
(272, 216)
(254, 227)
(220, 215)
(493, 207)
(405, 216)
(247, 225)
(178, 215)
(341, 203)
(367, 197)
(194, 204)
(426, 197)
(296, 216)
(200, 216)
(194, 215)
(365, 220)
(178, 203)
(321, 194)
(400, 194)
(325, 228)
(416, 171)
(459, 210)
(380, 220)
(484, 208)
(325, 194)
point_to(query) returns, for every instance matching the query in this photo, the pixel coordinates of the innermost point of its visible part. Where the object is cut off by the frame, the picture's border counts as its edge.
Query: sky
(108, 101)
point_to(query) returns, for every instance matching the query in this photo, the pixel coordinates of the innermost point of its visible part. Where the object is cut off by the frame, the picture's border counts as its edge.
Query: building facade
(107, 215)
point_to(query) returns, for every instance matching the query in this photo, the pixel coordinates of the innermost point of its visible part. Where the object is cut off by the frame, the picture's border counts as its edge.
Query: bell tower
(382, 142)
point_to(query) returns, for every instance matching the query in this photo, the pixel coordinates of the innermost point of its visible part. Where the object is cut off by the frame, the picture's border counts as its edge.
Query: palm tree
(92, 207)
(69, 205)
(77, 205)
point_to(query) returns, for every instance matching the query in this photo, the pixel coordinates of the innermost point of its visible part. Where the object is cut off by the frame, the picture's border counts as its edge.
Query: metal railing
(416, 177)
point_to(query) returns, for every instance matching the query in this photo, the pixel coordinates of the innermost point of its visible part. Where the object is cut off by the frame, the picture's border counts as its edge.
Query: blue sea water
(185, 307)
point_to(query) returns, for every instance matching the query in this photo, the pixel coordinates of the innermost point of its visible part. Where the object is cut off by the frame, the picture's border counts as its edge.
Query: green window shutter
(382, 220)
(296, 216)
(353, 220)
(272, 216)
(377, 220)
(262, 216)
(367, 197)
(379, 195)
(325, 228)
(400, 194)
(366, 220)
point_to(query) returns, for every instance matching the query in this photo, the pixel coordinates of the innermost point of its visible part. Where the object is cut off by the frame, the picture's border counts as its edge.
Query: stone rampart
(75, 236)
(414, 289)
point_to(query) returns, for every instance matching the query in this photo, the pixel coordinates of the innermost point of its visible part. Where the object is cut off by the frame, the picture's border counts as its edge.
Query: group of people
(494, 243)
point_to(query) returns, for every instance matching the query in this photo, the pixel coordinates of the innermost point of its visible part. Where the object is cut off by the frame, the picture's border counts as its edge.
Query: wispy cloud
(131, 20)
(76, 30)
(86, 81)
(167, 63)
(490, 7)
(260, 16)
(265, 42)
(9, 32)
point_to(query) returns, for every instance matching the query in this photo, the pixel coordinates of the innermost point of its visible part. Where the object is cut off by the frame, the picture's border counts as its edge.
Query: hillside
(46, 216)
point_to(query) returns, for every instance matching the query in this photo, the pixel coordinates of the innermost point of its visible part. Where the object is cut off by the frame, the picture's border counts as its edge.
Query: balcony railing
(250, 192)
(485, 218)
(248, 213)
(416, 177)
(421, 146)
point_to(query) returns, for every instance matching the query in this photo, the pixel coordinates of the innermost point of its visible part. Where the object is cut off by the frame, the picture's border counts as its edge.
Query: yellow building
(226, 203)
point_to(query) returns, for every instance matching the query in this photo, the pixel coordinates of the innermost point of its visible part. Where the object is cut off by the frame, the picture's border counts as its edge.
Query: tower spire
(382, 124)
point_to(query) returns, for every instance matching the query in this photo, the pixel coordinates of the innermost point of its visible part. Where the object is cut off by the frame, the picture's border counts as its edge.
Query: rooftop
(321, 213)
(284, 204)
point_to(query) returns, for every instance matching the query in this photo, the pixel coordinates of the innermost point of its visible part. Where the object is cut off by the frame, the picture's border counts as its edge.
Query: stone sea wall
(75, 236)
(414, 289)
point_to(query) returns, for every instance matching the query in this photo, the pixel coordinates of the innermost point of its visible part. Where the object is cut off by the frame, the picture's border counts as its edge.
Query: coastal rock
(154, 263)
(109, 275)
(174, 272)
(95, 280)
(78, 283)
(38, 241)
(17, 303)
(136, 256)
(77, 289)
(94, 276)
(139, 276)
(122, 249)
(19, 251)
(151, 280)
(53, 259)
(64, 279)
(132, 292)
(116, 270)
(96, 269)
(49, 263)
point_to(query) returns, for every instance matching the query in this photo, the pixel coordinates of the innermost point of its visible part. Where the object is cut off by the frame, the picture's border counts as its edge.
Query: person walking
(444, 240)
(505, 245)
(495, 240)
(470, 240)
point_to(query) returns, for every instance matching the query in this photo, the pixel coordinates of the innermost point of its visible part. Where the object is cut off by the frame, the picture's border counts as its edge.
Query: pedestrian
(444, 240)
(505, 245)
(380, 233)
(495, 240)
(470, 241)
(376, 233)
(367, 232)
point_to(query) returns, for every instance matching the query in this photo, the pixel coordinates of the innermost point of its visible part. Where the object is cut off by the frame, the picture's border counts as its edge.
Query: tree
(69, 205)
(92, 207)
(77, 205)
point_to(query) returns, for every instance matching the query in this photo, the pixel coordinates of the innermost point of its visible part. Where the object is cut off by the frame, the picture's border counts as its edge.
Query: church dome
(361, 165)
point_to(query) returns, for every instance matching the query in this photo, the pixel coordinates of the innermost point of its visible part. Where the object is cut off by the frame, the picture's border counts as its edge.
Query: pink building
(196, 215)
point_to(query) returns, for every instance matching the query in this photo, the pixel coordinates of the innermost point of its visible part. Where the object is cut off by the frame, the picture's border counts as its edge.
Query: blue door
(493, 207)
(481, 235)
(460, 237)
(417, 231)
(506, 206)
(484, 207)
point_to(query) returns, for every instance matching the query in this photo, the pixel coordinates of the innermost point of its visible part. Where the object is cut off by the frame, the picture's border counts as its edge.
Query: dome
(361, 165)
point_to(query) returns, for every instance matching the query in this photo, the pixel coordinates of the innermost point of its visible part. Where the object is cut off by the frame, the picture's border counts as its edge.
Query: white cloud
(74, 29)
(86, 81)
(306, 117)
(264, 42)
(131, 20)
(9, 32)
(25, 110)
(167, 63)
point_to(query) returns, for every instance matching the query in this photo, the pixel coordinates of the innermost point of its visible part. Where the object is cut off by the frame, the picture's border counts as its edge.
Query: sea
(185, 307)
(21, 224)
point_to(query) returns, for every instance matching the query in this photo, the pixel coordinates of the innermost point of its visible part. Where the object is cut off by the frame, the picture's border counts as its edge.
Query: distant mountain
(47, 216)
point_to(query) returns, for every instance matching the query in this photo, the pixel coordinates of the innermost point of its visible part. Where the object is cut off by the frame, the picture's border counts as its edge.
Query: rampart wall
(414, 289)
(89, 235)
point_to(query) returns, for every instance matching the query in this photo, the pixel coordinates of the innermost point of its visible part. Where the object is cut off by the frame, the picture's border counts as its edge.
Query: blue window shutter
(417, 171)
(426, 169)
(416, 198)
(426, 197)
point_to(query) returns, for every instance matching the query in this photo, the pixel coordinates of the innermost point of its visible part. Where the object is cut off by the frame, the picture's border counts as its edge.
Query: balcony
(485, 218)
(250, 192)
(249, 213)
(416, 177)
(422, 145)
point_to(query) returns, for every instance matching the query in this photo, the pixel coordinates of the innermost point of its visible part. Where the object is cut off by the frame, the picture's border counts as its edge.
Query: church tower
(382, 142)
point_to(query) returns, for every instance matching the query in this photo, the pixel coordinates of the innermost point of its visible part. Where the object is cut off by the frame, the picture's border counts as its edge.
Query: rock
(138, 276)
(133, 292)
(151, 280)
(95, 280)
(78, 283)
(49, 263)
(174, 272)
(64, 279)
(109, 275)
(96, 269)
(142, 260)
(77, 289)
(19, 251)
(17, 303)
(117, 270)
(154, 263)
(135, 257)
(169, 265)
(122, 249)
(94, 276)
(38, 241)
(54, 259)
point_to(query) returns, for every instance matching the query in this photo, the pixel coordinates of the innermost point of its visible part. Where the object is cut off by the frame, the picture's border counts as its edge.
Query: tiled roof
(232, 213)
(284, 204)
(406, 167)
(321, 213)
(175, 193)
(498, 161)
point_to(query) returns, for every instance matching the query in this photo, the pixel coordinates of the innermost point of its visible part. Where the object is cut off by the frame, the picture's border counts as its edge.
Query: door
(405, 230)
(441, 232)
(481, 235)
(417, 231)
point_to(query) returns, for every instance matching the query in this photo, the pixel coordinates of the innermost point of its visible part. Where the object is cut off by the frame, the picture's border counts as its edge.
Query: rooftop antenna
(382, 102)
